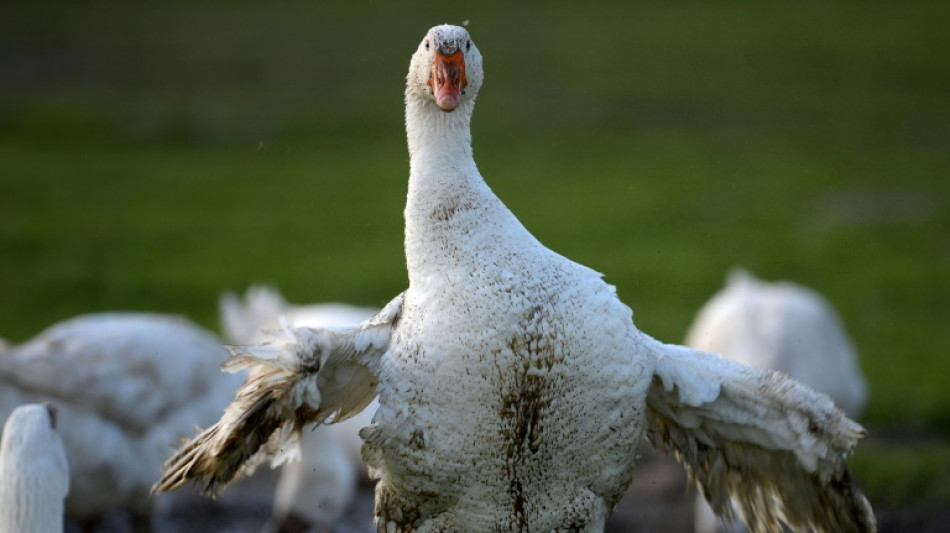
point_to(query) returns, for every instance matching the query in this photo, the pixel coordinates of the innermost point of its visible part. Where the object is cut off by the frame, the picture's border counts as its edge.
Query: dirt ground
(658, 501)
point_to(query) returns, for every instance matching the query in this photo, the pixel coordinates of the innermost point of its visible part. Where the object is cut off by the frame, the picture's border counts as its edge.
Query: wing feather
(305, 376)
(757, 438)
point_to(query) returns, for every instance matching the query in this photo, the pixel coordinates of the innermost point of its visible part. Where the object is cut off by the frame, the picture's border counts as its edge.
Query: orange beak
(448, 80)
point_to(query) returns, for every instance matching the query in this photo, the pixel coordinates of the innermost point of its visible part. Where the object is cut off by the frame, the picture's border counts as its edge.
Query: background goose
(317, 489)
(513, 386)
(34, 476)
(781, 326)
(243, 321)
(128, 387)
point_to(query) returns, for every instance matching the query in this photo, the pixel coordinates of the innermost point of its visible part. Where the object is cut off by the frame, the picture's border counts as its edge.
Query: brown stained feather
(769, 487)
(270, 408)
(262, 408)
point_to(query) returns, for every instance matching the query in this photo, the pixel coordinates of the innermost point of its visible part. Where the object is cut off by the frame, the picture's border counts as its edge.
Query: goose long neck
(440, 144)
(453, 219)
(425, 122)
(440, 157)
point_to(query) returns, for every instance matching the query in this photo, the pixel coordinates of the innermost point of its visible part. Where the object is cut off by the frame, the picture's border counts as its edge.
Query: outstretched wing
(770, 445)
(308, 376)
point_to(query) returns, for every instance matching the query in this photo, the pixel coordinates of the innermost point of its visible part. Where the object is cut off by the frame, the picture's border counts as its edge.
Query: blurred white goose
(34, 476)
(244, 321)
(317, 489)
(780, 326)
(129, 386)
(513, 386)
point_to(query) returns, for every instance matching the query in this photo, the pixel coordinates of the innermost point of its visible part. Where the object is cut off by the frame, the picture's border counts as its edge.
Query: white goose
(513, 386)
(780, 326)
(319, 488)
(244, 320)
(129, 386)
(34, 476)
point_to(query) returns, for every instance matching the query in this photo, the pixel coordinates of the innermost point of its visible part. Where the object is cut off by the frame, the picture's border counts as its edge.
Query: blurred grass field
(155, 155)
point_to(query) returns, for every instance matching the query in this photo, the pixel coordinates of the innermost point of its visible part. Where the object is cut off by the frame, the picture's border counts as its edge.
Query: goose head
(446, 69)
(28, 426)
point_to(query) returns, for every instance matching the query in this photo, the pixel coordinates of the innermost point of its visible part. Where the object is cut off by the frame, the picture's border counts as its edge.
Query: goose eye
(468, 45)
(427, 44)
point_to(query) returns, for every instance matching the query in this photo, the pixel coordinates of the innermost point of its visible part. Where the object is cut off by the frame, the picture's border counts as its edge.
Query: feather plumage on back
(782, 326)
(129, 386)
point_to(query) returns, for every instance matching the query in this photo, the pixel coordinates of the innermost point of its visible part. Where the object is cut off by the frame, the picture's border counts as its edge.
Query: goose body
(514, 388)
(782, 326)
(129, 386)
(34, 476)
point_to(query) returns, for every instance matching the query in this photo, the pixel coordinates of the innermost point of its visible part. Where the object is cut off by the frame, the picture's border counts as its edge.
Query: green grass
(153, 156)
(908, 472)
